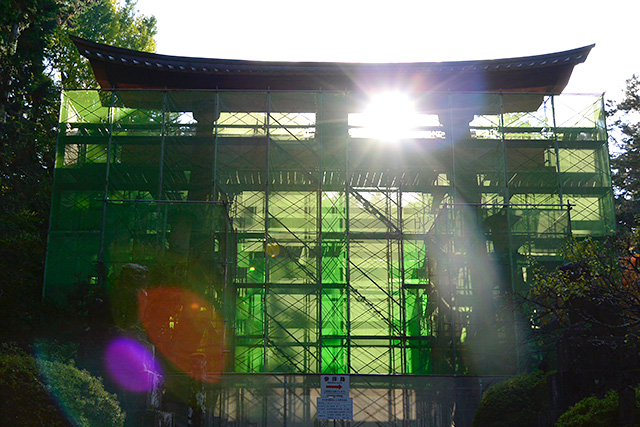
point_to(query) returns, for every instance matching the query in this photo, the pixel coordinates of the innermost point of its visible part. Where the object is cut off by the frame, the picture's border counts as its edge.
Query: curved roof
(120, 68)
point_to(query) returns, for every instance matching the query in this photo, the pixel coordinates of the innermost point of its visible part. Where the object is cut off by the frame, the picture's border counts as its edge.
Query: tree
(586, 313)
(36, 58)
(28, 109)
(626, 164)
(102, 21)
(597, 287)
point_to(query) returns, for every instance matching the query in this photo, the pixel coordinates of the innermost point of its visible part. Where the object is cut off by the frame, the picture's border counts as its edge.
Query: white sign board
(335, 408)
(334, 385)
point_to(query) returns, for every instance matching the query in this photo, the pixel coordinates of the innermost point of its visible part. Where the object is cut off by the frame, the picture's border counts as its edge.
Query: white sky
(407, 30)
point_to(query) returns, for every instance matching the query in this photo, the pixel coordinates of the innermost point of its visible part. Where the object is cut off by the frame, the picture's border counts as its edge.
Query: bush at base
(53, 394)
(513, 402)
(594, 412)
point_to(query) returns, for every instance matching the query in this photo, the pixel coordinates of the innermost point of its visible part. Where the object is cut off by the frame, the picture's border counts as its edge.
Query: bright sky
(407, 31)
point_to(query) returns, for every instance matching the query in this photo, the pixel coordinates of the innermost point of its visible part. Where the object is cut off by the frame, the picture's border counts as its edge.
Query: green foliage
(32, 391)
(102, 21)
(81, 395)
(24, 396)
(36, 56)
(626, 164)
(586, 312)
(513, 402)
(28, 110)
(598, 286)
(592, 411)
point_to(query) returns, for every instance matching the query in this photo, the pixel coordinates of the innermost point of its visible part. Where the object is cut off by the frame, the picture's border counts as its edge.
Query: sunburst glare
(391, 116)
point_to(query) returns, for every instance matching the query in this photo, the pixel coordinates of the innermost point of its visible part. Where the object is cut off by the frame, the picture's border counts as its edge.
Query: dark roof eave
(123, 68)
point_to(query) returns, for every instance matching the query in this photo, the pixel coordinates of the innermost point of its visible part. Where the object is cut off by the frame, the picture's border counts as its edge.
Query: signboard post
(335, 408)
(334, 386)
(334, 403)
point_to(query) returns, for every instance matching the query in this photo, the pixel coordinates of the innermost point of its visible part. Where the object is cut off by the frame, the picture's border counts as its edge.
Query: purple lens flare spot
(132, 366)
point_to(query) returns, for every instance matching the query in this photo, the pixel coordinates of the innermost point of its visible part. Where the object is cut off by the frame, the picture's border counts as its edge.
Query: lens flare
(390, 117)
(131, 365)
(185, 328)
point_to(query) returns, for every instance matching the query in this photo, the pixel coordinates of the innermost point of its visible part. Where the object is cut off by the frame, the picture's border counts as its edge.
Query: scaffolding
(325, 248)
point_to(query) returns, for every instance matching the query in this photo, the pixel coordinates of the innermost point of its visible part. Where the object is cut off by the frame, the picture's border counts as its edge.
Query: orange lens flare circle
(273, 250)
(186, 329)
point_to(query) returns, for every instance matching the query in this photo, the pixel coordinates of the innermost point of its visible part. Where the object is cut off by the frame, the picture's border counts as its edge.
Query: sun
(389, 117)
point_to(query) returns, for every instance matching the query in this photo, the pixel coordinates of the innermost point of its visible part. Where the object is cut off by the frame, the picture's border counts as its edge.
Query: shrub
(81, 395)
(592, 412)
(24, 396)
(39, 392)
(513, 402)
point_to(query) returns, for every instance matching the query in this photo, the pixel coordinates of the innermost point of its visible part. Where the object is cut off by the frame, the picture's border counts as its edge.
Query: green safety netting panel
(324, 246)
